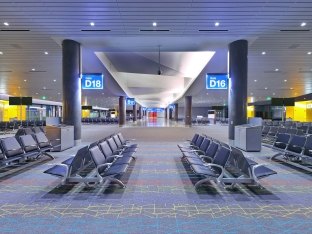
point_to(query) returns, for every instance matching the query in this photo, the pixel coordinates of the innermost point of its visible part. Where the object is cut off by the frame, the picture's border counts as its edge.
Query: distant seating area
(216, 161)
(22, 148)
(9, 127)
(99, 163)
(292, 149)
(100, 120)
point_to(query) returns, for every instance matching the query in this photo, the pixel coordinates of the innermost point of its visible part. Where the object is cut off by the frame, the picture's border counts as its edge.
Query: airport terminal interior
(155, 116)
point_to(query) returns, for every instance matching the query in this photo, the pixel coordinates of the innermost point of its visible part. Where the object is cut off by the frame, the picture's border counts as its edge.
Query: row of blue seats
(13, 125)
(100, 120)
(14, 150)
(104, 160)
(216, 161)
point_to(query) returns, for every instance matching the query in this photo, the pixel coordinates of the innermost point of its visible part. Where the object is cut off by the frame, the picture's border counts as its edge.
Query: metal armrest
(102, 165)
(205, 157)
(218, 166)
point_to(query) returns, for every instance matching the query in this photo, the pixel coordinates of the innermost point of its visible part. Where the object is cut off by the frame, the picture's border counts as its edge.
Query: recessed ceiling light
(54, 80)
(46, 52)
(25, 80)
(285, 80)
(92, 24)
(276, 69)
(263, 53)
(6, 23)
(266, 88)
(273, 93)
(37, 93)
(58, 93)
(1, 53)
(217, 24)
(291, 88)
(33, 69)
(154, 24)
(251, 93)
(255, 80)
(303, 24)
(44, 88)
(309, 53)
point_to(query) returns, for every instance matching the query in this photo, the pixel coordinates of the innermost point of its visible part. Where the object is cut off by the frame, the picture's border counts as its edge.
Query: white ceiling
(260, 22)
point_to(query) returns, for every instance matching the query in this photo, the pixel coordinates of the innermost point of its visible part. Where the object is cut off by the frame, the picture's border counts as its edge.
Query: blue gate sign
(130, 101)
(92, 81)
(216, 81)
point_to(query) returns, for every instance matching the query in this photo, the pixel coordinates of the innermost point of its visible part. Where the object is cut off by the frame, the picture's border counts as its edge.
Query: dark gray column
(238, 51)
(71, 65)
(176, 111)
(166, 113)
(140, 112)
(135, 113)
(122, 111)
(188, 111)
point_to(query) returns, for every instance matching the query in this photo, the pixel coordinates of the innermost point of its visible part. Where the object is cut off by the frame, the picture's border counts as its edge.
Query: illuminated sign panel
(216, 81)
(92, 81)
(130, 101)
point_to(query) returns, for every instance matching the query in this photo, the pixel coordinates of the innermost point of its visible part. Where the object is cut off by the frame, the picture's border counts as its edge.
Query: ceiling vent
(154, 30)
(95, 30)
(15, 30)
(213, 30)
(294, 30)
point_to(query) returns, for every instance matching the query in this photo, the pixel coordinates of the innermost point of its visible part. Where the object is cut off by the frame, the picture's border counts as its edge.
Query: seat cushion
(56, 170)
(115, 170)
(190, 154)
(193, 160)
(263, 171)
(68, 161)
(203, 170)
(123, 160)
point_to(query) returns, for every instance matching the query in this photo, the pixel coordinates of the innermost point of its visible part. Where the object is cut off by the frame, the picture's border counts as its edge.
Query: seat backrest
(212, 149)
(36, 129)
(281, 140)
(112, 144)
(121, 138)
(199, 141)
(194, 139)
(2, 156)
(117, 141)
(81, 156)
(292, 131)
(296, 144)
(97, 155)
(11, 147)
(282, 130)
(273, 130)
(301, 132)
(265, 130)
(107, 151)
(42, 140)
(204, 145)
(238, 161)
(28, 143)
(308, 146)
(309, 130)
(221, 156)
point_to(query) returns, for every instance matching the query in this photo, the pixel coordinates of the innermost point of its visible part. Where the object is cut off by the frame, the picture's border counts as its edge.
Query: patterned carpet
(160, 195)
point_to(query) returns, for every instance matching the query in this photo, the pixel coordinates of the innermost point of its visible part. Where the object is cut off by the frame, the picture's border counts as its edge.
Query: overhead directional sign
(216, 81)
(92, 81)
(130, 101)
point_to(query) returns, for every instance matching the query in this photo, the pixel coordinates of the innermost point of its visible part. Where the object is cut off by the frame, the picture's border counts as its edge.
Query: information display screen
(27, 101)
(216, 81)
(92, 81)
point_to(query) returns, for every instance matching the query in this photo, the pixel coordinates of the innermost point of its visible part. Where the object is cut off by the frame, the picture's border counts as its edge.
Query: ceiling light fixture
(217, 24)
(263, 53)
(309, 53)
(33, 69)
(303, 24)
(255, 80)
(285, 80)
(1, 53)
(46, 52)
(25, 80)
(273, 94)
(6, 23)
(291, 88)
(266, 88)
(154, 24)
(92, 24)
(54, 80)
(276, 69)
